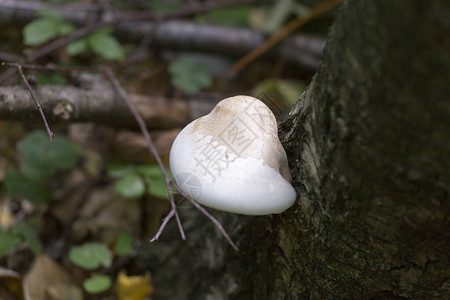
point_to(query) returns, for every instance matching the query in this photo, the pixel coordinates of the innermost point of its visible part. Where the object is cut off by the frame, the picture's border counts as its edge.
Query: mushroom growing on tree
(232, 159)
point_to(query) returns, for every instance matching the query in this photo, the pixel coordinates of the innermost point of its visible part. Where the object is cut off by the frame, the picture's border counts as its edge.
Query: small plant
(50, 25)
(101, 42)
(92, 256)
(124, 243)
(189, 75)
(41, 160)
(19, 234)
(47, 26)
(97, 283)
(134, 181)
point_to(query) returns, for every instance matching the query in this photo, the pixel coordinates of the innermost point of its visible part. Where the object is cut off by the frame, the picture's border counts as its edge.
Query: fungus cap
(232, 159)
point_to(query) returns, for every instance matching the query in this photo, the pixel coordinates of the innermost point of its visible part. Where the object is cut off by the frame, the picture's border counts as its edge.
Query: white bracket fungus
(232, 159)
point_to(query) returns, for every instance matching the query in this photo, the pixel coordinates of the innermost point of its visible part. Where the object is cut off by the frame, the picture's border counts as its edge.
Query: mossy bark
(369, 146)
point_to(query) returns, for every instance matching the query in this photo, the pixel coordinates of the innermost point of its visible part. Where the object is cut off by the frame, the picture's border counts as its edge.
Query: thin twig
(173, 211)
(163, 225)
(284, 32)
(123, 94)
(206, 213)
(36, 102)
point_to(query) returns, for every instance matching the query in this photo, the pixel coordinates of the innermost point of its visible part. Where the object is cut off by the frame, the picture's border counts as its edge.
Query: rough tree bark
(369, 148)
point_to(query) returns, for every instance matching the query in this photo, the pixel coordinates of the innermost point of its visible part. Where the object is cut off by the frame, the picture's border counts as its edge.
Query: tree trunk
(369, 146)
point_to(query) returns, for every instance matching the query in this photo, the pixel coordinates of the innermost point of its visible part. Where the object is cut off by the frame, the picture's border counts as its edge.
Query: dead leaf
(11, 285)
(7, 219)
(133, 287)
(48, 280)
(105, 213)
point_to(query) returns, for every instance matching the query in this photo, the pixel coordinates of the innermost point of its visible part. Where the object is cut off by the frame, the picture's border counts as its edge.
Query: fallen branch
(94, 101)
(115, 19)
(303, 50)
(132, 108)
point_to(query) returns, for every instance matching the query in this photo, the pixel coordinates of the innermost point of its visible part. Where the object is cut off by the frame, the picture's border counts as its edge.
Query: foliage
(97, 283)
(236, 16)
(53, 78)
(190, 76)
(133, 180)
(90, 256)
(50, 25)
(101, 42)
(17, 235)
(41, 160)
(9, 238)
(124, 243)
(47, 26)
(288, 91)
(28, 230)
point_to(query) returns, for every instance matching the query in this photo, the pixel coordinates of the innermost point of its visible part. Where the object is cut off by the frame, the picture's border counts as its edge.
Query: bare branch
(304, 50)
(92, 101)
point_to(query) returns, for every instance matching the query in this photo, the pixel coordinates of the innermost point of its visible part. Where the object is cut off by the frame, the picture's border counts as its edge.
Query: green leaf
(97, 283)
(33, 146)
(118, 170)
(103, 31)
(104, 44)
(189, 75)
(47, 26)
(40, 153)
(237, 17)
(156, 184)
(9, 239)
(124, 243)
(131, 186)
(52, 78)
(49, 14)
(41, 159)
(65, 28)
(36, 170)
(158, 188)
(18, 185)
(90, 256)
(152, 171)
(40, 31)
(30, 235)
(290, 91)
(62, 153)
(77, 47)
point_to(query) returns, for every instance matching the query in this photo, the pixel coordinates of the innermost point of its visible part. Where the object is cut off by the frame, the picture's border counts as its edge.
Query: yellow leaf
(133, 287)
